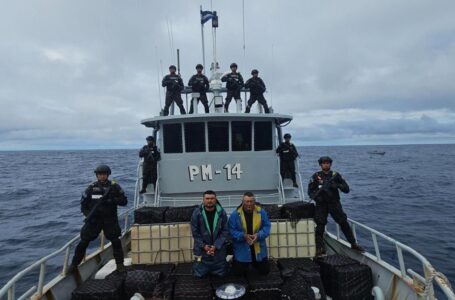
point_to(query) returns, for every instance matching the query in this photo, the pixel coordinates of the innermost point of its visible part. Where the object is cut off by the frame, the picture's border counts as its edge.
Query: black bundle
(295, 211)
(141, 281)
(179, 214)
(149, 215)
(345, 278)
(99, 289)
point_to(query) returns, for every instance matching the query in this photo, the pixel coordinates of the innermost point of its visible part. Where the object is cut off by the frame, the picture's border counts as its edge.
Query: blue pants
(213, 266)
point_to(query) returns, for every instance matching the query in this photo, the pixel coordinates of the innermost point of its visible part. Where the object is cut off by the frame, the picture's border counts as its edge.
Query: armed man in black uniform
(323, 189)
(200, 84)
(174, 85)
(151, 156)
(234, 82)
(257, 89)
(288, 153)
(99, 205)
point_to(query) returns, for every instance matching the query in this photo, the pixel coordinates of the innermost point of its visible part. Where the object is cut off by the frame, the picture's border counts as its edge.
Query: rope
(429, 282)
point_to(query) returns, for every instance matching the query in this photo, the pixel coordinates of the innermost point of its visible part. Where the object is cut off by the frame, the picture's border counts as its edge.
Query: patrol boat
(229, 153)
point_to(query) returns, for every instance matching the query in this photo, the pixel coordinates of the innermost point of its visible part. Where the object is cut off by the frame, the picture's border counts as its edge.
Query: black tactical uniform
(200, 84)
(323, 189)
(257, 89)
(288, 153)
(151, 156)
(234, 82)
(104, 218)
(174, 85)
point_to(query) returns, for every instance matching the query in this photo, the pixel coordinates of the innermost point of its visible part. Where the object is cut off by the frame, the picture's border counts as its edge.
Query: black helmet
(324, 159)
(233, 65)
(254, 71)
(103, 169)
(287, 136)
(150, 138)
(172, 67)
(199, 66)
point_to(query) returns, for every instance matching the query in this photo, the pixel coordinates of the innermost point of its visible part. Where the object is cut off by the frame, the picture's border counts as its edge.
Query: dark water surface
(407, 194)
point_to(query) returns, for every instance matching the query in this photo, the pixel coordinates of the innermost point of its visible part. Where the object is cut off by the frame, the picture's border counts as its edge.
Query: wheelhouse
(227, 153)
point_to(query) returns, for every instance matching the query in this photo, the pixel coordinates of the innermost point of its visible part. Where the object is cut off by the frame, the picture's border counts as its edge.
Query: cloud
(83, 67)
(374, 127)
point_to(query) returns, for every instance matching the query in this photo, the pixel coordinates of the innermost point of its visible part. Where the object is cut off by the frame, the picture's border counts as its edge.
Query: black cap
(287, 136)
(254, 71)
(103, 169)
(150, 138)
(324, 159)
(172, 67)
(199, 66)
(233, 65)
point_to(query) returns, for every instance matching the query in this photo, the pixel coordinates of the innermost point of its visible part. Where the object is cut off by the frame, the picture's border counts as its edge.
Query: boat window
(241, 136)
(195, 137)
(263, 139)
(172, 138)
(218, 136)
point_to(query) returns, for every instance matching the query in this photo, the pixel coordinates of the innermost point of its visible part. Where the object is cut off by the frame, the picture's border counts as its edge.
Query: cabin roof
(155, 121)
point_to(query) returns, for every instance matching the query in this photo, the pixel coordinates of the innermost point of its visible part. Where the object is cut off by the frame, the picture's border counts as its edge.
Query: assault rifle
(100, 201)
(323, 188)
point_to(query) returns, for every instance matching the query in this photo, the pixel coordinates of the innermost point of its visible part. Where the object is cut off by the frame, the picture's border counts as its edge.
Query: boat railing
(138, 182)
(228, 201)
(9, 288)
(189, 98)
(297, 168)
(157, 185)
(430, 274)
(280, 182)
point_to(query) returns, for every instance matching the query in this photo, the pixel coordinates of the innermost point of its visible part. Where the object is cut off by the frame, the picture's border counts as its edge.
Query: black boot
(71, 269)
(320, 252)
(357, 247)
(121, 268)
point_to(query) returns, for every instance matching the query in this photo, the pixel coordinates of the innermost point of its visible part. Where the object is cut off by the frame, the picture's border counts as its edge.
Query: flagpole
(203, 43)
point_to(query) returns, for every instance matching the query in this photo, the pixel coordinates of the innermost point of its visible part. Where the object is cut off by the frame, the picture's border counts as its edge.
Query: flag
(206, 16)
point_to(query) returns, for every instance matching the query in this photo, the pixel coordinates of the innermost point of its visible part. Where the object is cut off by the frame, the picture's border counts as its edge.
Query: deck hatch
(172, 138)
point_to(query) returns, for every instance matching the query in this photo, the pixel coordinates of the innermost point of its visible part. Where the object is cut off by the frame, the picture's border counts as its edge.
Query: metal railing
(228, 201)
(139, 178)
(9, 287)
(297, 171)
(280, 182)
(157, 185)
(430, 273)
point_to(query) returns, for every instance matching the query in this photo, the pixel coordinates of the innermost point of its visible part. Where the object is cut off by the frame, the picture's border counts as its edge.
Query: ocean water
(408, 194)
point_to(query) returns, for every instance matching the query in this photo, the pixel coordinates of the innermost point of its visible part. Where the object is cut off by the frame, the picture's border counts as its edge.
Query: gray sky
(82, 74)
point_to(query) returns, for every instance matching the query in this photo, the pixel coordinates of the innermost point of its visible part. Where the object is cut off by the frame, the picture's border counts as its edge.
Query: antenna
(244, 39)
(271, 76)
(178, 61)
(158, 76)
(171, 42)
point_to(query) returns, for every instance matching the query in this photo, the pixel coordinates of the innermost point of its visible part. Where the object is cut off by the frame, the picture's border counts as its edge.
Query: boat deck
(287, 279)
